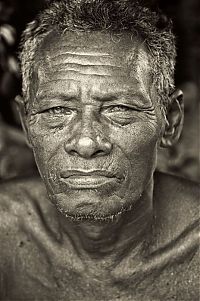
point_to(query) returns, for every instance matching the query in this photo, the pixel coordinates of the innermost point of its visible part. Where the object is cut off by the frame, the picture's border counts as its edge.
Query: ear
(22, 114)
(174, 119)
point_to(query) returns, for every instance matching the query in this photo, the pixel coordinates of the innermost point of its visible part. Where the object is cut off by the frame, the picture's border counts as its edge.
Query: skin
(112, 230)
(90, 114)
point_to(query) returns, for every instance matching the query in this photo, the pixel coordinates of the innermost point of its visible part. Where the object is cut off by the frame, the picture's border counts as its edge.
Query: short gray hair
(105, 15)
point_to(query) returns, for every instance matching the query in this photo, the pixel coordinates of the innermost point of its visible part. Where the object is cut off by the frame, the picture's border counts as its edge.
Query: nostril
(73, 152)
(99, 153)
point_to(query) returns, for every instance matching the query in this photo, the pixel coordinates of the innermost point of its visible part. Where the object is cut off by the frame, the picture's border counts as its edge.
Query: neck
(110, 241)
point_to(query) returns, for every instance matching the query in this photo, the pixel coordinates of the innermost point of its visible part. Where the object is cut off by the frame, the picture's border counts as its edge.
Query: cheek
(44, 147)
(138, 144)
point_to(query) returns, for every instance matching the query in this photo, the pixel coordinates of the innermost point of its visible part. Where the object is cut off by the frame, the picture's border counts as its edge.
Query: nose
(87, 143)
(87, 147)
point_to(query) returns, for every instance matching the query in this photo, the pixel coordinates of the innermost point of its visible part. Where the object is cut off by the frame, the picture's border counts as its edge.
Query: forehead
(91, 55)
(99, 42)
(111, 46)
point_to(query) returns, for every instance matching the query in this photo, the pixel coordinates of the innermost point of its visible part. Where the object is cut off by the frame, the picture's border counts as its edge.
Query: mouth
(76, 179)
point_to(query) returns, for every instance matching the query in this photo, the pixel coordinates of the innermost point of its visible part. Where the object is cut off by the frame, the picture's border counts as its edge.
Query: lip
(77, 179)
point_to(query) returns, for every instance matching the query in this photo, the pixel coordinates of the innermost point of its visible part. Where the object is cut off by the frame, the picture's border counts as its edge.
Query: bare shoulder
(176, 208)
(19, 200)
(16, 194)
(177, 196)
(26, 216)
(176, 224)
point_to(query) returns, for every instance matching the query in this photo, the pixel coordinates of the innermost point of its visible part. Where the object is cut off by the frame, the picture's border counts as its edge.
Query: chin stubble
(95, 217)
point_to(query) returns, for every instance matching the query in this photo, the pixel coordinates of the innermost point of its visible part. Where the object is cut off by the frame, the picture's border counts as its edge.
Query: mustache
(91, 172)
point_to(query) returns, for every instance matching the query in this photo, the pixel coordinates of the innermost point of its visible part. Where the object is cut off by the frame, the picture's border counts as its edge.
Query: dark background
(183, 159)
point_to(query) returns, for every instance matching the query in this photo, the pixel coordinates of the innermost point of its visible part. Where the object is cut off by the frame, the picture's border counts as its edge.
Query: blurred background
(16, 158)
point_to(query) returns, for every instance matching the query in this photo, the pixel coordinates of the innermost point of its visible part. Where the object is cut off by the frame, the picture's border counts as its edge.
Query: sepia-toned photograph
(99, 150)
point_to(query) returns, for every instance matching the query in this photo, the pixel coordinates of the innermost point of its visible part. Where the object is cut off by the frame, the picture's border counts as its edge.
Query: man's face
(94, 122)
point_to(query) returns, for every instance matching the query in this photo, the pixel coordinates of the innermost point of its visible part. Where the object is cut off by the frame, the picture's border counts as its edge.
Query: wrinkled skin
(90, 112)
(120, 232)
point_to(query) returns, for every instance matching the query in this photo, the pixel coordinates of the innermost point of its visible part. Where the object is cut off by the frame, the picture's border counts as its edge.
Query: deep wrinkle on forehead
(60, 63)
(93, 49)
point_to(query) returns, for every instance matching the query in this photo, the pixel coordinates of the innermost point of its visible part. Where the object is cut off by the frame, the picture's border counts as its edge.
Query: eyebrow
(101, 97)
(110, 96)
(59, 96)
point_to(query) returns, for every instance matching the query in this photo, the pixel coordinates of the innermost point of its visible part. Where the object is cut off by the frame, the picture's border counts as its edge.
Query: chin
(90, 207)
(92, 217)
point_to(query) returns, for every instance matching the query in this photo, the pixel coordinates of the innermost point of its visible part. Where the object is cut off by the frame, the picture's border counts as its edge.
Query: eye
(119, 108)
(58, 111)
(121, 114)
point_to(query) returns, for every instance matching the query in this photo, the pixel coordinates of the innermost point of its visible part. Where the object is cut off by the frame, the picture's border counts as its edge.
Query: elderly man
(98, 101)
